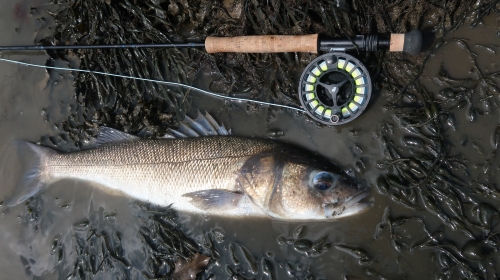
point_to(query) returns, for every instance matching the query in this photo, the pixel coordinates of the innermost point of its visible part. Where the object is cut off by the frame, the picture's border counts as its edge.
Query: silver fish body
(161, 171)
(218, 175)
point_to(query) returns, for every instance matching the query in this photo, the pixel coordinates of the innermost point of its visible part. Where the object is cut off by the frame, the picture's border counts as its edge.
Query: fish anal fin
(107, 135)
(214, 198)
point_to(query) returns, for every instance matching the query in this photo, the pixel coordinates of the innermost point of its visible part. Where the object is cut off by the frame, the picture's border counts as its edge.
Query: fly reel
(335, 88)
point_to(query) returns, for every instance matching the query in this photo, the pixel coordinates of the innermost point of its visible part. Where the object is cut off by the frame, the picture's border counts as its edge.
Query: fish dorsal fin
(108, 135)
(186, 130)
(200, 126)
(221, 130)
(203, 122)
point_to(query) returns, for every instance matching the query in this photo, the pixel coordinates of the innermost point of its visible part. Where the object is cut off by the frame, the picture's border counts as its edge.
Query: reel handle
(263, 44)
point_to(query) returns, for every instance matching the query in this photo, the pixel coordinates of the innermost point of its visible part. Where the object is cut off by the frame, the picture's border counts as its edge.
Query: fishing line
(154, 81)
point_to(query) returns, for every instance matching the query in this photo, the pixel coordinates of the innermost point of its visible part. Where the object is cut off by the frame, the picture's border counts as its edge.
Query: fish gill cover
(418, 170)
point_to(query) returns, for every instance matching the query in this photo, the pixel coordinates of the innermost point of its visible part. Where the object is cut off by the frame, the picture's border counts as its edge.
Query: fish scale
(150, 169)
(178, 150)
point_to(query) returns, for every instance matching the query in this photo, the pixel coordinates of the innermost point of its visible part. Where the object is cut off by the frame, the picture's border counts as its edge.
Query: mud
(426, 144)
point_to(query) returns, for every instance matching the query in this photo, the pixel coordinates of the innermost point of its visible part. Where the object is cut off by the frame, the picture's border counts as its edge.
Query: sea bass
(213, 173)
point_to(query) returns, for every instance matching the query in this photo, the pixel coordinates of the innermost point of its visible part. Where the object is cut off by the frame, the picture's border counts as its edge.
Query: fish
(202, 168)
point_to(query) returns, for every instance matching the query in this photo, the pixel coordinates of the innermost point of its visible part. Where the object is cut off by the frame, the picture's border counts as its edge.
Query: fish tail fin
(35, 176)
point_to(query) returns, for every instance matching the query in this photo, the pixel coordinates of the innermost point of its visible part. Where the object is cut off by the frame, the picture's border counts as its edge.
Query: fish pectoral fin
(108, 135)
(219, 199)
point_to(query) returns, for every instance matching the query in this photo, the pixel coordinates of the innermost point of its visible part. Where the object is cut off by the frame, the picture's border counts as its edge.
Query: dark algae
(303, 245)
(427, 143)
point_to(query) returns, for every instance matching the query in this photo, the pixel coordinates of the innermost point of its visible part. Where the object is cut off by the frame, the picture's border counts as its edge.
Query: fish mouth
(357, 204)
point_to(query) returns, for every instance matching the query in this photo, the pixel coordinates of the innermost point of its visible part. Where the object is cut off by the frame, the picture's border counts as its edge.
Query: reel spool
(335, 88)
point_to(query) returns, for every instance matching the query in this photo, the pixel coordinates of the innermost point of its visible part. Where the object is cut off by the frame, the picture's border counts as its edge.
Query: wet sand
(32, 101)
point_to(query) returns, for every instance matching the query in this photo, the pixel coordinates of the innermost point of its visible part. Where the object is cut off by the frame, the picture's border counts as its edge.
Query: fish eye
(323, 180)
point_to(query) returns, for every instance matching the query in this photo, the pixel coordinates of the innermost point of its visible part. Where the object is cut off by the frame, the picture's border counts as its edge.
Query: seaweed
(418, 170)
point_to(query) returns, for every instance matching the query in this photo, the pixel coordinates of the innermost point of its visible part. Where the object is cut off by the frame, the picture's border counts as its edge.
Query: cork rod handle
(263, 44)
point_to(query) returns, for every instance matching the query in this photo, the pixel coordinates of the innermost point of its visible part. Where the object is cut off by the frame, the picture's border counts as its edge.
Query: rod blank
(116, 46)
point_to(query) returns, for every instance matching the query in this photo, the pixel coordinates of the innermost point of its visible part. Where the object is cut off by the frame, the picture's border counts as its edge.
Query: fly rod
(334, 88)
(409, 42)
